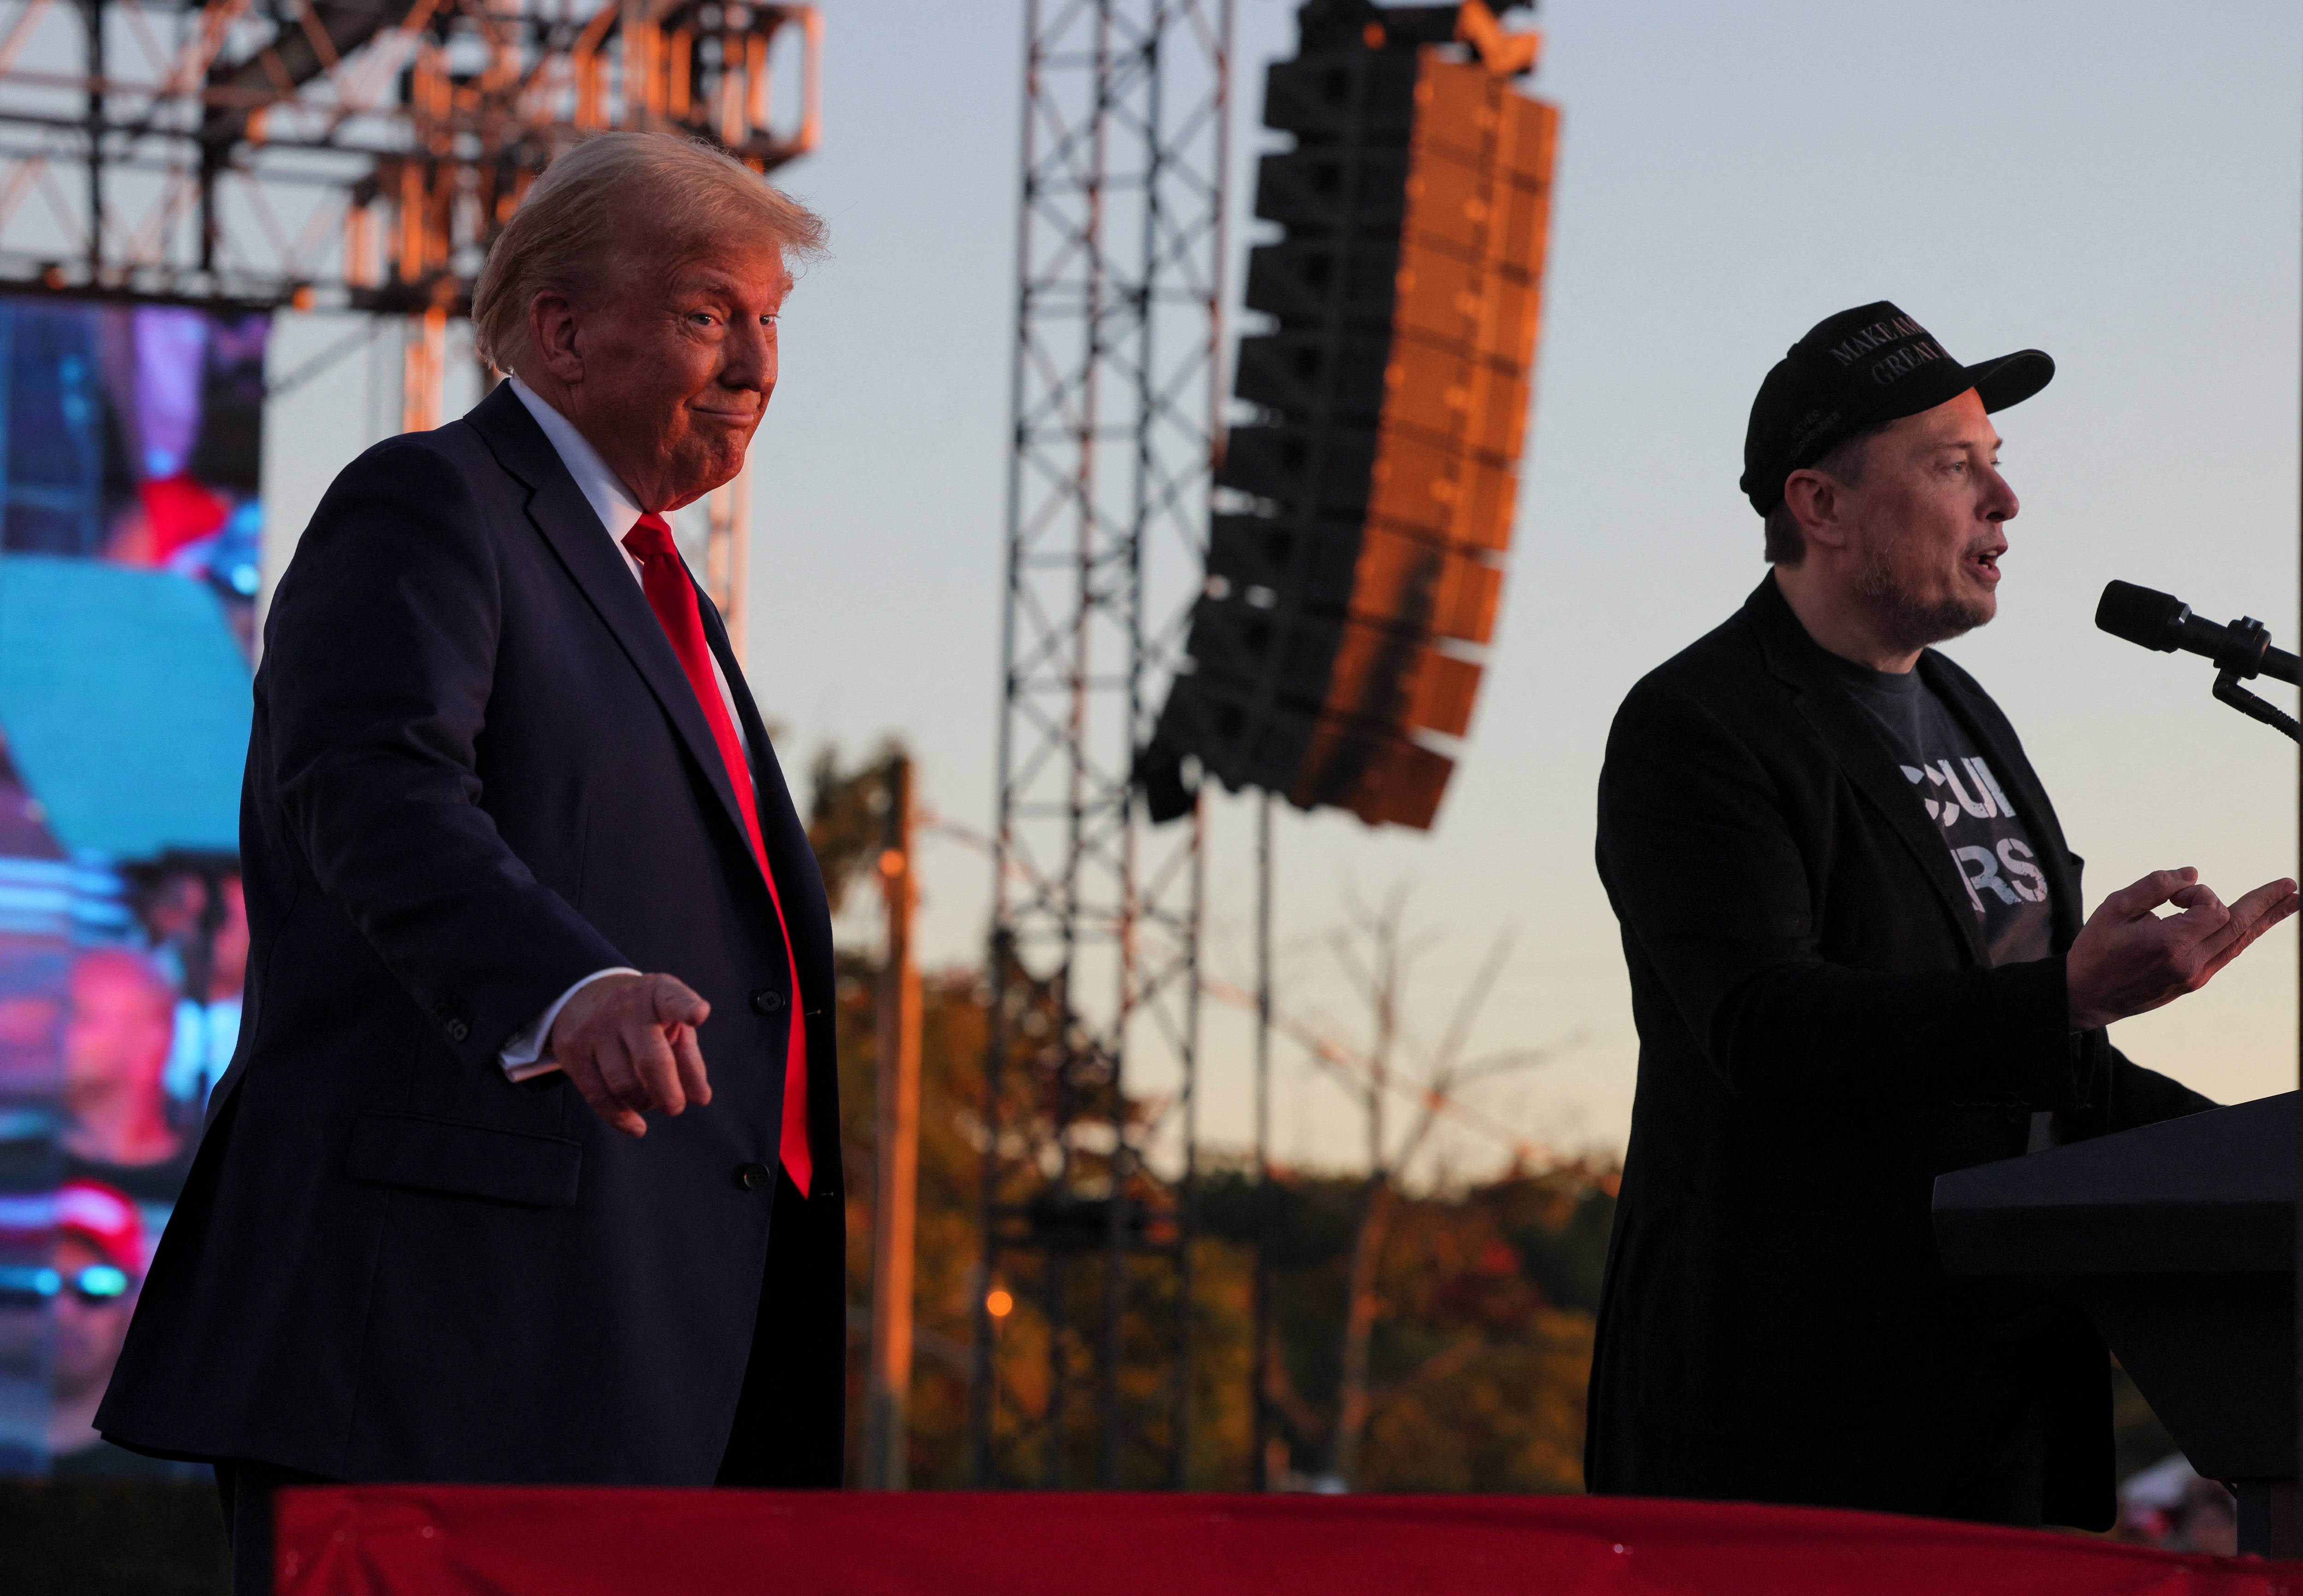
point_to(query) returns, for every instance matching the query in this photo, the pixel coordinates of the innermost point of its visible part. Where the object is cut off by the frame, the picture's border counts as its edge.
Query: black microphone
(2163, 621)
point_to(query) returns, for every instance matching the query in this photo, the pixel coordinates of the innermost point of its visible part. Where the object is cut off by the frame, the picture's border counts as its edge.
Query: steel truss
(340, 153)
(352, 154)
(1095, 941)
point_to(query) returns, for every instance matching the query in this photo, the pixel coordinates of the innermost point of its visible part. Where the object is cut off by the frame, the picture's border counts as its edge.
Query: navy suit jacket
(476, 774)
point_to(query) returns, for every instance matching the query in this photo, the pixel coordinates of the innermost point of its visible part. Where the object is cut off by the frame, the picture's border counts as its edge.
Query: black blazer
(477, 773)
(1820, 1036)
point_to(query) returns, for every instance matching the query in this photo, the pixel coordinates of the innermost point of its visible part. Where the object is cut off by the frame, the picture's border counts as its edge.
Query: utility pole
(895, 1204)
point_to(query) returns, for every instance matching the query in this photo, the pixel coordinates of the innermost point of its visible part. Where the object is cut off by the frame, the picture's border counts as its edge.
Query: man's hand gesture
(629, 1042)
(2127, 959)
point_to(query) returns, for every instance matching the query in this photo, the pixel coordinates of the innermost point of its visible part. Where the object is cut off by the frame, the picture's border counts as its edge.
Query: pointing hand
(629, 1042)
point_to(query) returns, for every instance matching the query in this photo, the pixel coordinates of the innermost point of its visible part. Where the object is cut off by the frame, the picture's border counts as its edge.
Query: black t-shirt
(1955, 780)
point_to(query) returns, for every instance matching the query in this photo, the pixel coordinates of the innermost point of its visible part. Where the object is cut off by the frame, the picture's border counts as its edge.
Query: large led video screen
(131, 524)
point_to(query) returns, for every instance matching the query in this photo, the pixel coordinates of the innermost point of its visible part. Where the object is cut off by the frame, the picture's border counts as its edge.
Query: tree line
(1421, 1340)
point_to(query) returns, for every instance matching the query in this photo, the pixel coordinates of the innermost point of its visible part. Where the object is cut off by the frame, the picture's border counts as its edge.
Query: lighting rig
(355, 155)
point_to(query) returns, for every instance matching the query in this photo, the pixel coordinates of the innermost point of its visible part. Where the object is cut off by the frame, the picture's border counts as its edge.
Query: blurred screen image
(134, 436)
(130, 441)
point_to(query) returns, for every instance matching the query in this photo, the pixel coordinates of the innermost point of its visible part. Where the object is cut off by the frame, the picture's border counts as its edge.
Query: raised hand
(629, 1042)
(2127, 959)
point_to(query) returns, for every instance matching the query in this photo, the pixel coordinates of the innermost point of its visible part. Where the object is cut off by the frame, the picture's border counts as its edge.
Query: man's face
(88, 1329)
(120, 1027)
(678, 360)
(174, 915)
(228, 952)
(1927, 523)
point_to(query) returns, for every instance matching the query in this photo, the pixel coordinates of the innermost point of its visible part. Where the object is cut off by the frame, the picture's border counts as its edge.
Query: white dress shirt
(528, 1054)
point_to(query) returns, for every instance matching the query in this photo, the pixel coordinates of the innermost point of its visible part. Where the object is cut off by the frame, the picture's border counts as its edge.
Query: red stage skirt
(509, 1541)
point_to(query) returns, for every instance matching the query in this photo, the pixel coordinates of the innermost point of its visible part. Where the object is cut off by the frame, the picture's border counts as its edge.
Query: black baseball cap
(1867, 365)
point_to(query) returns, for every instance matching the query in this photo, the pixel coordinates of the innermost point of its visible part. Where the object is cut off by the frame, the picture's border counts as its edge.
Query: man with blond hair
(521, 862)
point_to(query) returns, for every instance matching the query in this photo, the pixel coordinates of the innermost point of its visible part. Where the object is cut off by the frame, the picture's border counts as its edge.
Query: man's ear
(552, 334)
(1819, 505)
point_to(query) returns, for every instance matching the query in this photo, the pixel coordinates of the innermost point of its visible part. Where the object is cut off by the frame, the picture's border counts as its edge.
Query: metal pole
(1093, 551)
(2294, 1530)
(983, 1366)
(984, 1382)
(1219, 224)
(1118, 1229)
(1260, 1460)
(895, 1204)
(1187, 1204)
(92, 13)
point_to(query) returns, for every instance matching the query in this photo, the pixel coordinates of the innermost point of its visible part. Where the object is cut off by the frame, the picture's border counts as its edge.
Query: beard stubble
(1910, 619)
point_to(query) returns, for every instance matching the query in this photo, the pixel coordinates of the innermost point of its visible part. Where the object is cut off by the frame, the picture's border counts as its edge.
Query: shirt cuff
(528, 1054)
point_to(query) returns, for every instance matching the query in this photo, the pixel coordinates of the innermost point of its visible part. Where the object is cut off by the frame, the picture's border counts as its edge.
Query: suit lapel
(1861, 751)
(565, 518)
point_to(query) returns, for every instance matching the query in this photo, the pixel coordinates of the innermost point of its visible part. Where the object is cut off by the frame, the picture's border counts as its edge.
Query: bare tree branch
(1468, 1006)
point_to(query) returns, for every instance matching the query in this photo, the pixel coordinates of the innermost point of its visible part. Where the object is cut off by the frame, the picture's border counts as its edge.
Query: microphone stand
(2227, 679)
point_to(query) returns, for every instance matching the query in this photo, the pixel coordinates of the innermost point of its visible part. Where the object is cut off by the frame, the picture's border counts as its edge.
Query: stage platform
(441, 1541)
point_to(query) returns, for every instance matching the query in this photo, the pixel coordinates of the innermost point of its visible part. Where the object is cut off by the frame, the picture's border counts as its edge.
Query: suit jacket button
(767, 999)
(457, 1030)
(753, 1176)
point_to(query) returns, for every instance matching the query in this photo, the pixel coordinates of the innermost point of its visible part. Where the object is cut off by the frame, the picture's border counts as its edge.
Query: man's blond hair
(612, 190)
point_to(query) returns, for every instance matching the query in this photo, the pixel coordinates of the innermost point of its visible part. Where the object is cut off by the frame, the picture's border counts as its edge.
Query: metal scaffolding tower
(1083, 1353)
(353, 155)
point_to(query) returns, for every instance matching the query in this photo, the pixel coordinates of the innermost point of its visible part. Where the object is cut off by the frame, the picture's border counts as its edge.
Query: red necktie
(663, 576)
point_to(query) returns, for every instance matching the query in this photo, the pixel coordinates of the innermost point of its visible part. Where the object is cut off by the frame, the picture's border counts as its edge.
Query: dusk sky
(2115, 183)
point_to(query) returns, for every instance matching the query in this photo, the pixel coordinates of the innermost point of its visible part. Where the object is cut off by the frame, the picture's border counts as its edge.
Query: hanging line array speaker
(1354, 576)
